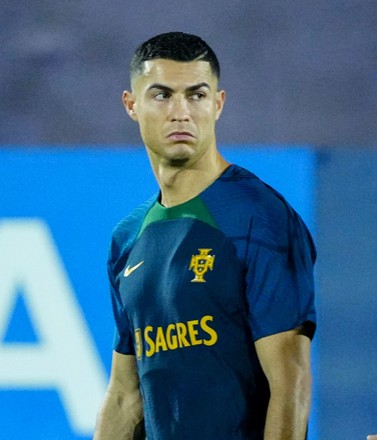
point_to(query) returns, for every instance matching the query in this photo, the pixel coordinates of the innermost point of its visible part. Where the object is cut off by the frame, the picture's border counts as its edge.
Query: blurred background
(301, 113)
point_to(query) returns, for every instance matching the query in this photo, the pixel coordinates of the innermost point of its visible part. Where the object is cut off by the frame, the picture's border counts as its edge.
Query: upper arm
(279, 269)
(285, 359)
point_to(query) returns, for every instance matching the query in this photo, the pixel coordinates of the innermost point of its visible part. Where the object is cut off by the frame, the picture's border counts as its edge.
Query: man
(211, 280)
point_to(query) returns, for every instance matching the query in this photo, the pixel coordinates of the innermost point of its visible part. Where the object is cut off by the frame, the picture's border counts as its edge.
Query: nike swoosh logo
(129, 269)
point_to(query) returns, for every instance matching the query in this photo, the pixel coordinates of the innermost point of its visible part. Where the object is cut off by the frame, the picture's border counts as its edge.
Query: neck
(178, 184)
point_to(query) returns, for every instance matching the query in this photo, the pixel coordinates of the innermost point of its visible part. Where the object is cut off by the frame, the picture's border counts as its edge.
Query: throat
(180, 185)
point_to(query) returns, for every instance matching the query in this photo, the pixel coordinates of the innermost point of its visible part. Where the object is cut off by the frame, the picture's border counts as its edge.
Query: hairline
(138, 72)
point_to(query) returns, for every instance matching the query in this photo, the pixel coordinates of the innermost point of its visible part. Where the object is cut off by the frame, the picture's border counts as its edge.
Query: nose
(179, 109)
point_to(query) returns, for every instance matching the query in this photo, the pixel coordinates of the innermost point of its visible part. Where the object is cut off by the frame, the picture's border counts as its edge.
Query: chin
(179, 155)
(178, 162)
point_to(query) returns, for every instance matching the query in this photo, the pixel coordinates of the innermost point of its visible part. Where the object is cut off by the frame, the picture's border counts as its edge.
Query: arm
(122, 409)
(285, 359)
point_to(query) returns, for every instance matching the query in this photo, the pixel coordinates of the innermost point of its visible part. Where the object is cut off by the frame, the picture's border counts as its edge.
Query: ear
(220, 100)
(129, 102)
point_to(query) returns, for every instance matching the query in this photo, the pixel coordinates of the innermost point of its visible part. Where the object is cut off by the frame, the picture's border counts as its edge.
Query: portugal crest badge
(200, 264)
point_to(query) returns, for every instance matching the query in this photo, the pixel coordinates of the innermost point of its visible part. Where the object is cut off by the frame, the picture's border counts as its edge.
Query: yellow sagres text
(152, 340)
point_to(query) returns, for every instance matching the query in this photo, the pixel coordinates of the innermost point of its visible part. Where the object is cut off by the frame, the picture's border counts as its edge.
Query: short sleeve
(123, 237)
(279, 280)
(123, 342)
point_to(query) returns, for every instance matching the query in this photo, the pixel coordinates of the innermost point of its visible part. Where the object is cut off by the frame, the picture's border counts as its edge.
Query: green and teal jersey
(193, 286)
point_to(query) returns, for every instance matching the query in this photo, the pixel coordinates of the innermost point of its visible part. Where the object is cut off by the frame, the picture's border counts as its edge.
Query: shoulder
(239, 192)
(247, 189)
(126, 231)
(242, 198)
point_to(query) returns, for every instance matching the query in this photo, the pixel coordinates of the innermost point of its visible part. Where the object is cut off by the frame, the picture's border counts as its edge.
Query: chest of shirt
(179, 271)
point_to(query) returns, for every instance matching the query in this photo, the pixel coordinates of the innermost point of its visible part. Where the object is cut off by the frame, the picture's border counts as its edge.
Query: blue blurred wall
(347, 287)
(57, 211)
(69, 200)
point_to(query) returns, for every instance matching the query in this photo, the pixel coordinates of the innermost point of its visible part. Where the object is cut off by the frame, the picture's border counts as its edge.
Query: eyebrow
(170, 90)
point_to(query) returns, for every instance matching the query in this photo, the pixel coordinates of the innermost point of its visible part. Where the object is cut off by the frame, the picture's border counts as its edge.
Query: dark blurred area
(295, 72)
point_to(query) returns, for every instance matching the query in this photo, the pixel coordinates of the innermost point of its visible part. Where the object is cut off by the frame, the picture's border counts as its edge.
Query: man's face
(176, 105)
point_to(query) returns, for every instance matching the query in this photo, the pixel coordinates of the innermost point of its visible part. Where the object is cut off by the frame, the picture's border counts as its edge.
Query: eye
(197, 96)
(161, 96)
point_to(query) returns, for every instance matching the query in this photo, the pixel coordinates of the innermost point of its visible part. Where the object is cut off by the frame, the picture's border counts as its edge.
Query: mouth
(181, 136)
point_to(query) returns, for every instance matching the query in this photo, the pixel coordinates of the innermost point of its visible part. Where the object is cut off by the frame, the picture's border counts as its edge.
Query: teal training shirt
(193, 286)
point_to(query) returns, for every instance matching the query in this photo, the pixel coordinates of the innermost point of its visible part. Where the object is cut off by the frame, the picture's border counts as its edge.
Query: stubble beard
(180, 157)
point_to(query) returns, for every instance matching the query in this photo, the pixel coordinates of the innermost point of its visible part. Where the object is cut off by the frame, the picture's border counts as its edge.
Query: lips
(181, 136)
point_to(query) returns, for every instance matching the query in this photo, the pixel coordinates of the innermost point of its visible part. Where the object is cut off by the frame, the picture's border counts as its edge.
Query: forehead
(175, 73)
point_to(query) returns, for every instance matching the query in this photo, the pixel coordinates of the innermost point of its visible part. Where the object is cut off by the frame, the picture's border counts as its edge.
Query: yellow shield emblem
(200, 264)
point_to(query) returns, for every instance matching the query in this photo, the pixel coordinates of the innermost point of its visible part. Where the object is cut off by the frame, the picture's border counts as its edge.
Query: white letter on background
(66, 358)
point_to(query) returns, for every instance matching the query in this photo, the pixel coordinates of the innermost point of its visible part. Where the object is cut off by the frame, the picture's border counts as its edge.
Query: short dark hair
(176, 46)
